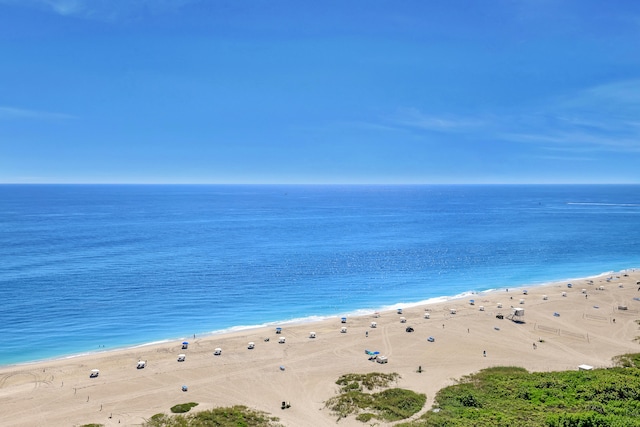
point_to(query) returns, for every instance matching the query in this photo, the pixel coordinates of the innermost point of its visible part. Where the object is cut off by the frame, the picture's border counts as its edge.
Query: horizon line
(320, 183)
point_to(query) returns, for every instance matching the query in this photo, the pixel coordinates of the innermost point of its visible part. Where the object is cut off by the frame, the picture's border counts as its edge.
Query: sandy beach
(586, 323)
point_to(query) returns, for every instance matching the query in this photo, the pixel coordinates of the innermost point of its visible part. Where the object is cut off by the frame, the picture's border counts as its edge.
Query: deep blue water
(91, 267)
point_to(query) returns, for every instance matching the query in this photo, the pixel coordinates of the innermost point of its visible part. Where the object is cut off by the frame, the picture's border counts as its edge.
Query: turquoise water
(93, 267)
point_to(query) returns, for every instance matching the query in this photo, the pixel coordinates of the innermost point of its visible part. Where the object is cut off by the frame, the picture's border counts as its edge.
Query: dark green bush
(183, 407)
(236, 416)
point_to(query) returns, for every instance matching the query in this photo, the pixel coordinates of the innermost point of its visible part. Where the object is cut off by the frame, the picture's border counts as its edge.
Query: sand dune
(588, 328)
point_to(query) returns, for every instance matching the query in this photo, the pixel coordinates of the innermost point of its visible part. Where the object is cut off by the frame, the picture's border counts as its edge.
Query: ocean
(88, 268)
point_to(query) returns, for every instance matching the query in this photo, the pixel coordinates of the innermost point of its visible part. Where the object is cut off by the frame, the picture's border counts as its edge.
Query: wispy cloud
(596, 119)
(600, 118)
(102, 10)
(66, 7)
(414, 118)
(11, 113)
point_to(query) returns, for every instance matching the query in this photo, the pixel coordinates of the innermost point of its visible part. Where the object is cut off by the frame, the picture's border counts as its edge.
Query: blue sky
(279, 91)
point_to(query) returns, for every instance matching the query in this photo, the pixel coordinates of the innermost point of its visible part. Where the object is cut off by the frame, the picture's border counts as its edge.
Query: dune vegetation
(494, 397)
(236, 416)
(511, 396)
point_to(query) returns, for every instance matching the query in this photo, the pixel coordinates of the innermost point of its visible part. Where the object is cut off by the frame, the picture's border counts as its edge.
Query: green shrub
(365, 417)
(368, 381)
(506, 397)
(627, 360)
(183, 407)
(389, 404)
(236, 416)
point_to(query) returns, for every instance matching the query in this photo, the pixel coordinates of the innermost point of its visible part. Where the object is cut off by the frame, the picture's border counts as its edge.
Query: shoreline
(590, 328)
(318, 318)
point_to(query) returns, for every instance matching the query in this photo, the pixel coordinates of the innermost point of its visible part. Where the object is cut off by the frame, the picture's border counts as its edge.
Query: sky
(325, 92)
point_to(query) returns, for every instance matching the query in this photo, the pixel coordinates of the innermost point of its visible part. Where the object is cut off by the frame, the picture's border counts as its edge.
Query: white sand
(60, 393)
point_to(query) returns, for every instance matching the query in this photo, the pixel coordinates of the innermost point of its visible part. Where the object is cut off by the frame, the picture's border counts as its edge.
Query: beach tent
(278, 330)
(282, 340)
(452, 310)
(403, 320)
(522, 301)
(564, 294)
(481, 308)
(585, 368)
(343, 330)
(343, 320)
(141, 364)
(374, 325)
(94, 373)
(399, 311)
(431, 339)
(181, 357)
(312, 334)
(376, 314)
(382, 359)
(185, 345)
(544, 297)
(217, 351)
(185, 388)
(499, 305)
(525, 292)
(251, 345)
(517, 315)
(372, 354)
(427, 315)
(472, 302)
